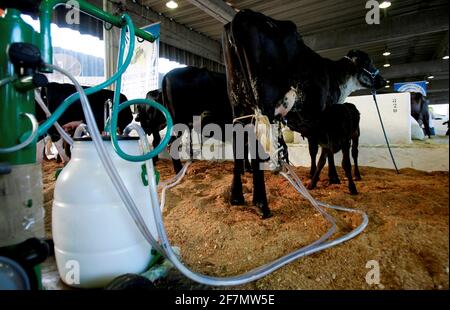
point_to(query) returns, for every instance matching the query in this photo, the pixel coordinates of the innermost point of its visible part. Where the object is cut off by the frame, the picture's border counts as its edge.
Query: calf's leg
(332, 173)
(313, 147)
(355, 153)
(346, 164)
(321, 164)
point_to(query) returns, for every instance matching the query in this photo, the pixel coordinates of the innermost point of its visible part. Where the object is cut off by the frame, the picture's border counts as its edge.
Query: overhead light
(427, 82)
(431, 77)
(387, 86)
(445, 57)
(386, 65)
(386, 53)
(385, 4)
(172, 4)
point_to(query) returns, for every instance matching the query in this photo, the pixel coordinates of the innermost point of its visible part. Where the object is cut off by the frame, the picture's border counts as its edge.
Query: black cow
(339, 128)
(269, 68)
(420, 111)
(55, 93)
(188, 92)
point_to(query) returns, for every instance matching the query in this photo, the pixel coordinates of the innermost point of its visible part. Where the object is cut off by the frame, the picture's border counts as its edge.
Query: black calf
(339, 131)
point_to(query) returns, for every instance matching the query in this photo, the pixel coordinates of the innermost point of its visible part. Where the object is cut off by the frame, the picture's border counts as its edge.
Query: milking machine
(107, 218)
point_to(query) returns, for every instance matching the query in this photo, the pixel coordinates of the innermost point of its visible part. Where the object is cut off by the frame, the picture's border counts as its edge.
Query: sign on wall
(395, 110)
(141, 75)
(411, 87)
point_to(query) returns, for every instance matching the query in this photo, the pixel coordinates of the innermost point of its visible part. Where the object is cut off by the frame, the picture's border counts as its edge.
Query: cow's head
(367, 75)
(147, 116)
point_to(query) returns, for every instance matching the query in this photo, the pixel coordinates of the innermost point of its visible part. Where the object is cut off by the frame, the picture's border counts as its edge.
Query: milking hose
(61, 131)
(26, 142)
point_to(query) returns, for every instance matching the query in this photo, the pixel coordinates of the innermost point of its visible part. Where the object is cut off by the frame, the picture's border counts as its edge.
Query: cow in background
(188, 92)
(53, 94)
(420, 112)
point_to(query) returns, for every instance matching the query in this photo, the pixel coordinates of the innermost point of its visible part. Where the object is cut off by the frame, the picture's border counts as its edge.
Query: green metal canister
(21, 198)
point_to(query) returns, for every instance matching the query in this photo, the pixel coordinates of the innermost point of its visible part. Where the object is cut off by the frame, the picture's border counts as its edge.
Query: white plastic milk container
(95, 238)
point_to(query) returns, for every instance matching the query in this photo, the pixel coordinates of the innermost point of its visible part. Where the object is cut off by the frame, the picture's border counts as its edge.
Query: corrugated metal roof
(313, 16)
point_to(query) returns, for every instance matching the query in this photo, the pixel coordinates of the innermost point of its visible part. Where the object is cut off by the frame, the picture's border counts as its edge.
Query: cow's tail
(235, 44)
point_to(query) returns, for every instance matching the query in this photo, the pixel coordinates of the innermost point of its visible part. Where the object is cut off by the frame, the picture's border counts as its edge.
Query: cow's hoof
(310, 185)
(248, 169)
(263, 210)
(358, 178)
(353, 190)
(334, 180)
(237, 201)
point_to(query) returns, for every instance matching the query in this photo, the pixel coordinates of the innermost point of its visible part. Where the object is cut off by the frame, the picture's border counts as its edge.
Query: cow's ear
(353, 55)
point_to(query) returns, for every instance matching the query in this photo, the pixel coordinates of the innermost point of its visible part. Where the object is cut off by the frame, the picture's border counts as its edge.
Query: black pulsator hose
(374, 94)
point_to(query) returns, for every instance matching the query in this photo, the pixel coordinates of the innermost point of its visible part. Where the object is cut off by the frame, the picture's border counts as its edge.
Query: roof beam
(417, 69)
(216, 8)
(439, 98)
(390, 29)
(442, 48)
(173, 33)
(437, 86)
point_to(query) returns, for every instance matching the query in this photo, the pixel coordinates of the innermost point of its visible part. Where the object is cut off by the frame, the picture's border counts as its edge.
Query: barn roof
(414, 31)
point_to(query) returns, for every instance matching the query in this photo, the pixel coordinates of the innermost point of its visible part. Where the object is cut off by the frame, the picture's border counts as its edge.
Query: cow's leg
(355, 153)
(313, 150)
(61, 151)
(237, 196)
(322, 160)
(346, 164)
(426, 124)
(247, 164)
(40, 150)
(67, 149)
(156, 141)
(332, 173)
(259, 188)
(177, 166)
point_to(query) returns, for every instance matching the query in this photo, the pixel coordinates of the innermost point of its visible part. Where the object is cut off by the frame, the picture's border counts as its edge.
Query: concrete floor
(429, 155)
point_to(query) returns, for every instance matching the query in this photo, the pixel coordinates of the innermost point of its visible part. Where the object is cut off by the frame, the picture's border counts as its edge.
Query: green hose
(117, 78)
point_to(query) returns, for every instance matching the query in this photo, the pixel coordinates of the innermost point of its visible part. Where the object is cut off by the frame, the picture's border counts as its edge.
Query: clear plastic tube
(48, 114)
(31, 138)
(7, 80)
(81, 129)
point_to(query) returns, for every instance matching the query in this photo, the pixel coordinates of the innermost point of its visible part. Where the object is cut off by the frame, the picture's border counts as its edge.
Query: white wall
(395, 111)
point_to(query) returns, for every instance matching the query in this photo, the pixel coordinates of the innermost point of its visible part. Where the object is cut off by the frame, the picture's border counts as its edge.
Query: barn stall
(407, 231)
